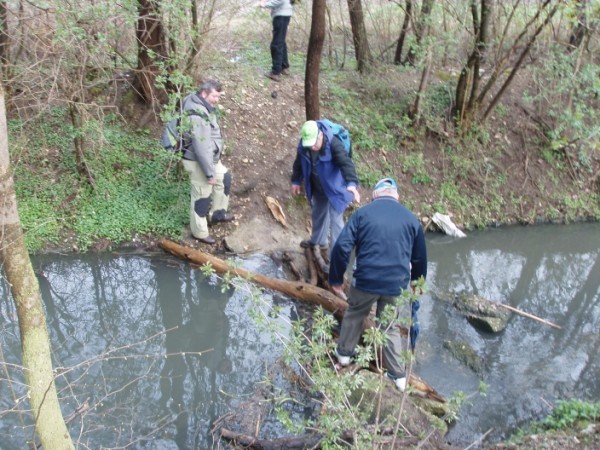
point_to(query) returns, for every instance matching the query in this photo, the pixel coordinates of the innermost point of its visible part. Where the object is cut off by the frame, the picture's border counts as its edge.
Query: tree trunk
(306, 292)
(151, 46)
(79, 143)
(468, 82)
(462, 89)
(403, 31)
(580, 28)
(421, 30)
(3, 36)
(359, 36)
(415, 111)
(35, 344)
(313, 60)
(479, 52)
(291, 443)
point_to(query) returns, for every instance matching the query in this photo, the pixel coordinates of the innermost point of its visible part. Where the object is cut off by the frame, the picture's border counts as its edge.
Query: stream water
(158, 350)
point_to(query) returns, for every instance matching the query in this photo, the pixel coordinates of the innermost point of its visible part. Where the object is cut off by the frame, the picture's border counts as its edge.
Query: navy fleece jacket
(390, 248)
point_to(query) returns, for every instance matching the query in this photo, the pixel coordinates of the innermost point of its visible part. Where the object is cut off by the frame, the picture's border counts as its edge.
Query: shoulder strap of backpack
(193, 112)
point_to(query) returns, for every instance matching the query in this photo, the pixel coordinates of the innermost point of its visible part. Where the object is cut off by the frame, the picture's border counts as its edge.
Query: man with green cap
(325, 169)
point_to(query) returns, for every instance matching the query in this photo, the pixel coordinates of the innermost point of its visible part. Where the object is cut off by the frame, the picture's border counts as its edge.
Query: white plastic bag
(447, 226)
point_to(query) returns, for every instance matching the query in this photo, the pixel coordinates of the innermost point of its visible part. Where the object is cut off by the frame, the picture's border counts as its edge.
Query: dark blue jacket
(389, 240)
(335, 170)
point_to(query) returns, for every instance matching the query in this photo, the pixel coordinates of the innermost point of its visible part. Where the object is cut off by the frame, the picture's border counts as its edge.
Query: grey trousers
(359, 307)
(326, 221)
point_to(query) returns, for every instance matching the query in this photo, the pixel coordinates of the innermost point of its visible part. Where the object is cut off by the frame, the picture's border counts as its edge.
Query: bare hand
(416, 290)
(296, 189)
(354, 192)
(339, 291)
(212, 180)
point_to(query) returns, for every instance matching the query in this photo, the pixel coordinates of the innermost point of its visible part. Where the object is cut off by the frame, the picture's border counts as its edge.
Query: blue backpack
(342, 133)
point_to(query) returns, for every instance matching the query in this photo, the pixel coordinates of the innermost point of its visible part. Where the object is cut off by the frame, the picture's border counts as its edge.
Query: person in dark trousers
(210, 179)
(281, 12)
(389, 244)
(329, 177)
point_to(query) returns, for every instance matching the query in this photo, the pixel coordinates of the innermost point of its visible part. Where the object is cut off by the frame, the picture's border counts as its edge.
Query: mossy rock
(464, 353)
(482, 313)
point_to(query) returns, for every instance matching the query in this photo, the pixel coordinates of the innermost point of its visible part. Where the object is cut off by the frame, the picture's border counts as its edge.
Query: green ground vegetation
(571, 416)
(138, 191)
(135, 191)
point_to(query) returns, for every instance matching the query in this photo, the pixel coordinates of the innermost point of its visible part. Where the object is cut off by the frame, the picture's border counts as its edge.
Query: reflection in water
(549, 271)
(197, 318)
(156, 349)
(159, 351)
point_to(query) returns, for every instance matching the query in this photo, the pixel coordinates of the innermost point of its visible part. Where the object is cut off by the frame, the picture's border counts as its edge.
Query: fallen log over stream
(295, 289)
(295, 442)
(307, 441)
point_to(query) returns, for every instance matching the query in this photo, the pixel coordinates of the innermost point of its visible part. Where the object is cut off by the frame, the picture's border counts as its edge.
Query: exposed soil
(261, 125)
(264, 125)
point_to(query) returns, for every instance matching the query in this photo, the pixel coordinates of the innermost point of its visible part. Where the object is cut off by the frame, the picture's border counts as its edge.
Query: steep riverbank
(501, 176)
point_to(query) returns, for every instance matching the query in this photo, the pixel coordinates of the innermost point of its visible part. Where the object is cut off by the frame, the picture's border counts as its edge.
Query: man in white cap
(325, 168)
(390, 252)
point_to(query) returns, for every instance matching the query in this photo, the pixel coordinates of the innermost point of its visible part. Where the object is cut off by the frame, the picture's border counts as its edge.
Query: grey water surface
(159, 351)
(552, 272)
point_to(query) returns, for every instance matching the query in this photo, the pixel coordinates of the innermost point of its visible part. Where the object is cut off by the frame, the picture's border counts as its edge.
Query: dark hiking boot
(221, 216)
(306, 243)
(273, 76)
(208, 240)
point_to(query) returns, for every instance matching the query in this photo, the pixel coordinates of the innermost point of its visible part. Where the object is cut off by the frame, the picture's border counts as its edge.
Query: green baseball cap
(310, 133)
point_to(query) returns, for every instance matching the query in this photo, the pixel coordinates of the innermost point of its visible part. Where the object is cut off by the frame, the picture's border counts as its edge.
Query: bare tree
(469, 96)
(530, 41)
(468, 82)
(421, 27)
(201, 23)
(580, 26)
(403, 32)
(152, 48)
(35, 344)
(313, 59)
(359, 35)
